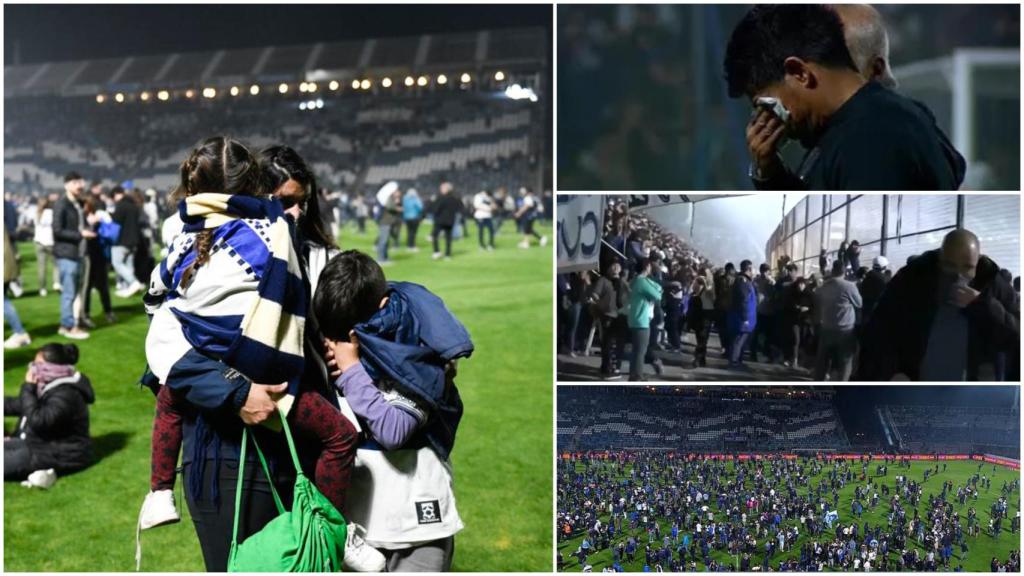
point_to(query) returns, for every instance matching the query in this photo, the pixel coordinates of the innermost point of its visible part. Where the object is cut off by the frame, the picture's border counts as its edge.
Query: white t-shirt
(44, 228)
(483, 206)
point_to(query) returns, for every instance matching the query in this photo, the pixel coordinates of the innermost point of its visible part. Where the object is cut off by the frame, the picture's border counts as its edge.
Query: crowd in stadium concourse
(948, 314)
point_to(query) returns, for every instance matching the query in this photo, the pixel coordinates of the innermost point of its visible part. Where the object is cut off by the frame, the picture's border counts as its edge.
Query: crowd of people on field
(668, 512)
(947, 314)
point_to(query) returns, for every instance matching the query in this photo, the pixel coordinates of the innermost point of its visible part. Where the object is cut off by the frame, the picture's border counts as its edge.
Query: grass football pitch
(981, 548)
(502, 456)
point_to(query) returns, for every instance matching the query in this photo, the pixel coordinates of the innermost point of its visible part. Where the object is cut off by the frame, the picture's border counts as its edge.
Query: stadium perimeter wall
(989, 458)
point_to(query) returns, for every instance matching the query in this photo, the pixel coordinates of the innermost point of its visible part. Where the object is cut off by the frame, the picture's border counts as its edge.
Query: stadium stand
(963, 429)
(588, 421)
(359, 134)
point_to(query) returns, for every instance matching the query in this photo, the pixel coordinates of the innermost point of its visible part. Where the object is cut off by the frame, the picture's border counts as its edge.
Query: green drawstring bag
(309, 538)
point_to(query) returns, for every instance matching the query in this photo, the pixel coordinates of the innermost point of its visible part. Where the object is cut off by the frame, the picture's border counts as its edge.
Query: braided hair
(218, 165)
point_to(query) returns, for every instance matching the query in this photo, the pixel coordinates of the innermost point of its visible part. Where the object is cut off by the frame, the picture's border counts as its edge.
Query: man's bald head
(960, 253)
(867, 41)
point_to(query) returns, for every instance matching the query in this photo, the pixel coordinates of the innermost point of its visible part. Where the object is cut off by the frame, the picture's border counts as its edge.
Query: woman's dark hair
(281, 164)
(219, 165)
(350, 289)
(770, 33)
(57, 353)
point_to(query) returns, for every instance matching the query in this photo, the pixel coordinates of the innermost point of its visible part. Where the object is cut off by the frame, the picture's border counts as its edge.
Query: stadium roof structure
(509, 50)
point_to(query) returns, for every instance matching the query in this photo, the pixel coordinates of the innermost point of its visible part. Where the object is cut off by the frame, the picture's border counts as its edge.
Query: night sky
(47, 33)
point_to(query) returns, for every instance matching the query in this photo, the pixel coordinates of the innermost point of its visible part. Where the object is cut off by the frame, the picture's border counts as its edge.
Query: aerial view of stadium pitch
(805, 479)
(419, 136)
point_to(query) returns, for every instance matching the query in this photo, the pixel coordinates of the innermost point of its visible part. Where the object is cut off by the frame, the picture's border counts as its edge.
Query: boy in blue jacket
(392, 347)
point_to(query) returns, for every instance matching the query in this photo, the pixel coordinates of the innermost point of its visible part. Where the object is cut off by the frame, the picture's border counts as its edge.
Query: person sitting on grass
(52, 434)
(392, 348)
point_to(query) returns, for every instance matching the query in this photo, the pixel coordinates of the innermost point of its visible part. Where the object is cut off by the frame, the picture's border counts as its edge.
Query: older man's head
(867, 41)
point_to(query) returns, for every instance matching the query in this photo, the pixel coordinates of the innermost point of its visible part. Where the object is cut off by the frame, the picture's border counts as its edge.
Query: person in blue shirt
(412, 215)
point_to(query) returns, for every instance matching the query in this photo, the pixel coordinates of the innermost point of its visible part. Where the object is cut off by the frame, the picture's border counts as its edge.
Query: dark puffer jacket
(55, 424)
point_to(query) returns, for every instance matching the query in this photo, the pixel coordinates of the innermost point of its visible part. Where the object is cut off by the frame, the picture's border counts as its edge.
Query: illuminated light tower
(422, 81)
(119, 98)
(365, 84)
(235, 91)
(163, 95)
(144, 96)
(465, 79)
(386, 82)
(254, 90)
(190, 93)
(283, 88)
(209, 92)
(100, 98)
(312, 87)
(442, 79)
(499, 76)
(355, 84)
(409, 81)
(333, 85)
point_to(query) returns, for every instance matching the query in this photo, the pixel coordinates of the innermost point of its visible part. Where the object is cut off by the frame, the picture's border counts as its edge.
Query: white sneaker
(360, 556)
(57, 287)
(524, 244)
(17, 341)
(73, 333)
(130, 291)
(158, 509)
(437, 256)
(543, 240)
(16, 290)
(41, 479)
(42, 291)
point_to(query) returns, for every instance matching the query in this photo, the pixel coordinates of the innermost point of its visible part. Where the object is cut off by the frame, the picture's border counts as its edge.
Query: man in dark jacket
(858, 134)
(446, 209)
(69, 234)
(607, 297)
(743, 313)
(944, 316)
(127, 214)
(873, 285)
(54, 428)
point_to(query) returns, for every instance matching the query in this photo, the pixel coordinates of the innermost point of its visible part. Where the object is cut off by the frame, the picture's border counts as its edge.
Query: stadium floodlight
(409, 80)
(144, 96)
(319, 103)
(333, 85)
(312, 87)
(355, 84)
(209, 92)
(119, 98)
(303, 87)
(302, 105)
(442, 79)
(190, 93)
(234, 90)
(517, 92)
(283, 88)
(465, 78)
(100, 98)
(386, 82)
(422, 81)
(163, 95)
(365, 84)
(254, 90)
(499, 76)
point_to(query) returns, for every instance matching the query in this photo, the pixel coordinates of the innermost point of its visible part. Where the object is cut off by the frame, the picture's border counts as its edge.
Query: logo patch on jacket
(428, 512)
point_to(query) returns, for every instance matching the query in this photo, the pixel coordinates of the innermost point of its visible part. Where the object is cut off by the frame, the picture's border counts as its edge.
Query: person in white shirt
(483, 213)
(43, 223)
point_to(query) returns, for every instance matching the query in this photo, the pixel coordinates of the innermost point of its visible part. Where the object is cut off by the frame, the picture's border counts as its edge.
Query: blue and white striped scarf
(259, 335)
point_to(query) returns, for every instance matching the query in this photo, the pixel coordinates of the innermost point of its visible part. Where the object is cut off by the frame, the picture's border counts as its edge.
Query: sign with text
(579, 230)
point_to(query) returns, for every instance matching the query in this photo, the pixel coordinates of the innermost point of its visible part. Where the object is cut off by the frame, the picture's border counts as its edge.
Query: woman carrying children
(207, 401)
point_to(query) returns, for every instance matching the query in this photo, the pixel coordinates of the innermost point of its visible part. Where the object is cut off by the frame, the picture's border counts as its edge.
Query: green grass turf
(502, 459)
(981, 548)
